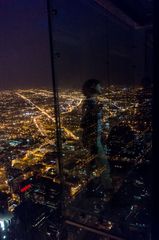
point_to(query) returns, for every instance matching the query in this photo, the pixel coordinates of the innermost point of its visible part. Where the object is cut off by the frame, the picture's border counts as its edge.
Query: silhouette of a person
(92, 127)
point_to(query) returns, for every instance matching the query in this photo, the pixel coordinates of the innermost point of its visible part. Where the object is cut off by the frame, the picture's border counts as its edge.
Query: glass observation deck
(45, 170)
(91, 43)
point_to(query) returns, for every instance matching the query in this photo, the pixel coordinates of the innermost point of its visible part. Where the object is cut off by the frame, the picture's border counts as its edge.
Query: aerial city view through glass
(54, 160)
(28, 151)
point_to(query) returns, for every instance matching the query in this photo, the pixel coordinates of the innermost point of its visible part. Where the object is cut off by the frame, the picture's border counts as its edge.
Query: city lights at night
(76, 123)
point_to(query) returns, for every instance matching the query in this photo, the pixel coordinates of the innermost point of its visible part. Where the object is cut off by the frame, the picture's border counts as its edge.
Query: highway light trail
(67, 131)
(34, 105)
(41, 130)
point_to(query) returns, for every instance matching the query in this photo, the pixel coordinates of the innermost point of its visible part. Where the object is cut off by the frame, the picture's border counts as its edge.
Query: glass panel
(91, 43)
(106, 133)
(28, 151)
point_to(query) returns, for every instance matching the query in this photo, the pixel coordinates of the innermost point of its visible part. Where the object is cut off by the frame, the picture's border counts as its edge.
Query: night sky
(82, 34)
(24, 47)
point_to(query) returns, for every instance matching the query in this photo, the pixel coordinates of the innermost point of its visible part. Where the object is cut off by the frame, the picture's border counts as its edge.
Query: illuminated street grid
(27, 134)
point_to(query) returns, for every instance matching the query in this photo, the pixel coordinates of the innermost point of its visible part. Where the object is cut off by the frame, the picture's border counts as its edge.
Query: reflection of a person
(91, 124)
